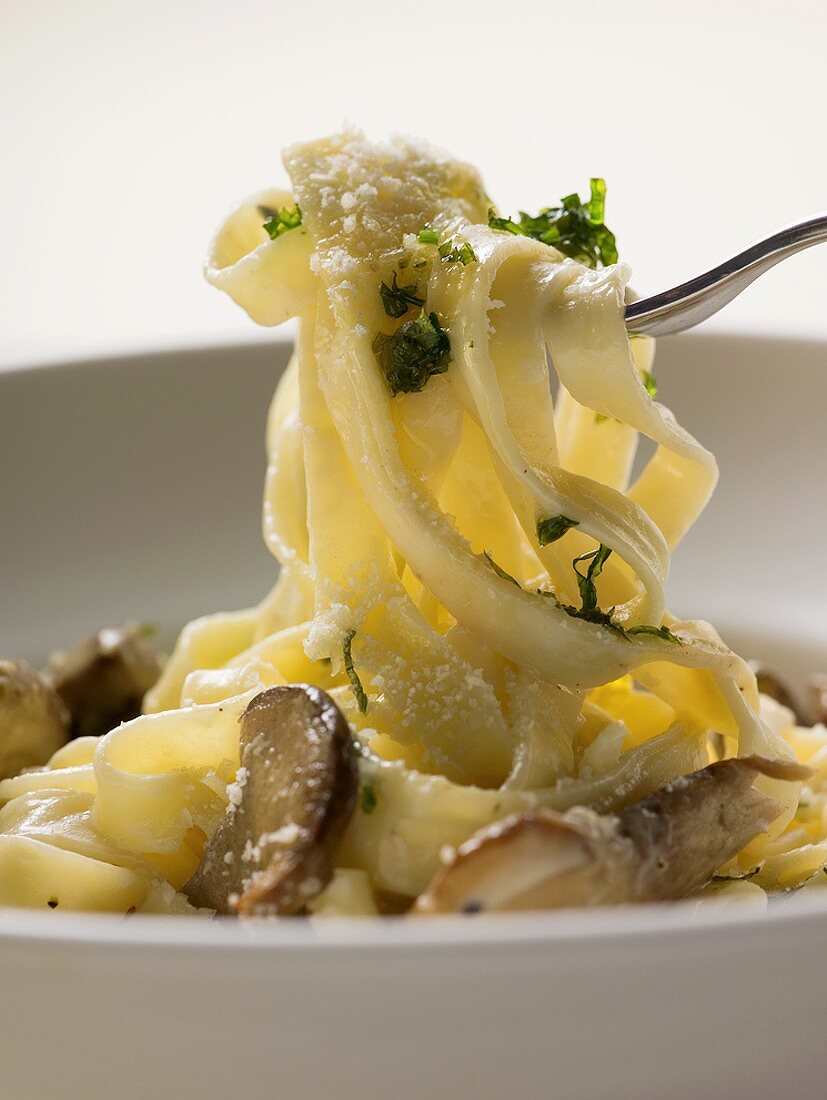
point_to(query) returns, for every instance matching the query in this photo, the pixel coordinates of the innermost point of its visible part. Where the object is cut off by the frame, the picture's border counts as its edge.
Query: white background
(127, 129)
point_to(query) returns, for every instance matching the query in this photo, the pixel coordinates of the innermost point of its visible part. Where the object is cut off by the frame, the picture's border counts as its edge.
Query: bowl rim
(617, 925)
(610, 926)
(140, 352)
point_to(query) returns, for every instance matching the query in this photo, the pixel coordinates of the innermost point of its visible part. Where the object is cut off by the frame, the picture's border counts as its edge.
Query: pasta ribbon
(417, 446)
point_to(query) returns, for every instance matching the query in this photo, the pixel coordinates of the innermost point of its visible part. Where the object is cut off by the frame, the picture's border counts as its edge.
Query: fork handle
(687, 305)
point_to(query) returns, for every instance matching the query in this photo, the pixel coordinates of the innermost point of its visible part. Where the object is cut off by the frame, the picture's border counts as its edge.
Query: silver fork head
(692, 302)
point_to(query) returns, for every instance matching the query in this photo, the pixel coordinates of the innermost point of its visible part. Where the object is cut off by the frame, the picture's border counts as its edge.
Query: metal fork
(692, 302)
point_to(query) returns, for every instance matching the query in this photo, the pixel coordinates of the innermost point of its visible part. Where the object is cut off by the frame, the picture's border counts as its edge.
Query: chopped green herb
(282, 221)
(599, 418)
(588, 590)
(553, 528)
(604, 618)
(656, 632)
(588, 594)
(498, 569)
(367, 798)
(505, 225)
(593, 615)
(589, 612)
(736, 878)
(397, 300)
(575, 228)
(352, 675)
(148, 630)
(417, 350)
(457, 253)
(428, 235)
(449, 252)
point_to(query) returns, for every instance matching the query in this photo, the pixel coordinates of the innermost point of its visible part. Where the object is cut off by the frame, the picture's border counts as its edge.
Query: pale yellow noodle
(393, 517)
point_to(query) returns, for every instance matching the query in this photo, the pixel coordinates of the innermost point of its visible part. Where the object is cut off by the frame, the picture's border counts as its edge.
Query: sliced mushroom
(295, 794)
(33, 721)
(664, 847)
(770, 683)
(817, 688)
(104, 678)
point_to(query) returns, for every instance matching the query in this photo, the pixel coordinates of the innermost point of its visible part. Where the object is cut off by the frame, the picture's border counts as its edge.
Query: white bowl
(130, 488)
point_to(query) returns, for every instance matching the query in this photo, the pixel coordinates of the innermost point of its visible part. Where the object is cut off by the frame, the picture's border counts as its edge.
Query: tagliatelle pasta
(407, 529)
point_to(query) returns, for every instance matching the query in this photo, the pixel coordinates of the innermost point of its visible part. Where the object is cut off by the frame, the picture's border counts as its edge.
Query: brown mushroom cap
(103, 679)
(770, 683)
(663, 847)
(817, 689)
(33, 721)
(294, 796)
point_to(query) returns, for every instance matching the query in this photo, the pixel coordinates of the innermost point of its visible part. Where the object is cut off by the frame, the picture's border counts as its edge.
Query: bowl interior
(132, 489)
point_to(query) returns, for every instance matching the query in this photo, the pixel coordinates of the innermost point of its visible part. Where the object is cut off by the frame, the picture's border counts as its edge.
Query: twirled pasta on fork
(468, 573)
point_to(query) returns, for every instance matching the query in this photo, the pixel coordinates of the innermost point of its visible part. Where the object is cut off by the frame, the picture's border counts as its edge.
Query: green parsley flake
(551, 529)
(417, 350)
(589, 612)
(656, 631)
(450, 253)
(367, 798)
(457, 253)
(397, 300)
(498, 569)
(585, 582)
(281, 221)
(352, 675)
(737, 878)
(505, 225)
(575, 228)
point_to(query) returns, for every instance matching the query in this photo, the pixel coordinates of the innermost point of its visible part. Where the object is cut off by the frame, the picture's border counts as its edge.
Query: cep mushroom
(773, 685)
(103, 679)
(33, 721)
(661, 848)
(817, 687)
(295, 793)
